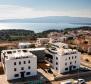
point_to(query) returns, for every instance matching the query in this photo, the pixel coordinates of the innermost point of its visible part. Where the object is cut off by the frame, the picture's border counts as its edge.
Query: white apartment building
(63, 59)
(18, 63)
(24, 45)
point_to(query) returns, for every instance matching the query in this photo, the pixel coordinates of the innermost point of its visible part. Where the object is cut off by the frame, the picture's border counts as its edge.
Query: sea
(39, 27)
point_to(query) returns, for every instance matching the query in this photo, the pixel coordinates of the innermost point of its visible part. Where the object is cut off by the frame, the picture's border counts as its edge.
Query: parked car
(81, 81)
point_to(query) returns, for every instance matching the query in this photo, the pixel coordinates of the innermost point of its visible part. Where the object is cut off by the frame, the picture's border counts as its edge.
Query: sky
(20, 9)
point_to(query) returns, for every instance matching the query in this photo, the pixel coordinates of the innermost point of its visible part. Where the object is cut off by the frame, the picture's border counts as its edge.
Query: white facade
(24, 45)
(63, 60)
(18, 63)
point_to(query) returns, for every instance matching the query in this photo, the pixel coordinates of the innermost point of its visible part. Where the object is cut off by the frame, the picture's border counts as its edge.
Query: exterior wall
(74, 60)
(10, 67)
(61, 61)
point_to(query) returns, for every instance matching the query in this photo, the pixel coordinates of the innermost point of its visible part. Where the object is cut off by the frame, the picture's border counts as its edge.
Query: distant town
(48, 57)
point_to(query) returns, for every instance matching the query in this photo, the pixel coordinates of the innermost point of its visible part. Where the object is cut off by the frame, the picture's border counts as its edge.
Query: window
(74, 66)
(24, 50)
(14, 51)
(56, 68)
(72, 57)
(51, 61)
(9, 52)
(14, 63)
(22, 68)
(66, 59)
(65, 63)
(70, 62)
(24, 62)
(75, 61)
(28, 61)
(69, 57)
(75, 56)
(66, 68)
(14, 69)
(19, 62)
(28, 73)
(29, 67)
(56, 63)
(16, 75)
(56, 58)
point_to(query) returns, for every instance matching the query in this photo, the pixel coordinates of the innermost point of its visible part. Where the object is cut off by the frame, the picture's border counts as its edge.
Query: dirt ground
(86, 56)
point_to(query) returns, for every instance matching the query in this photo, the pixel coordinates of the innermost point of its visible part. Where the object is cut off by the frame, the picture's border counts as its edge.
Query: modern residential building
(63, 59)
(18, 63)
(24, 45)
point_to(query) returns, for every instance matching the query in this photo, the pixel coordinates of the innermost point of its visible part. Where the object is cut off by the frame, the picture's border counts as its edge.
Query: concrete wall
(10, 67)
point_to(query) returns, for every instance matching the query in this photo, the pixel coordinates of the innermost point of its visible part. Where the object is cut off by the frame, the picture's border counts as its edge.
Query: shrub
(87, 60)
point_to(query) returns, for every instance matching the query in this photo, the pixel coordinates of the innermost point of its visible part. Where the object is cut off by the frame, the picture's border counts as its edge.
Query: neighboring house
(59, 45)
(18, 63)
(42, 41)
(54, 34)
(24, 45)
(54, 37)
(63, 59)
(89, 49)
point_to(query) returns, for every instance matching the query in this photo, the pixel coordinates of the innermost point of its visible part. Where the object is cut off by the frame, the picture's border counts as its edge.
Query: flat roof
(63, 51)
(24, 43)
(17, 54)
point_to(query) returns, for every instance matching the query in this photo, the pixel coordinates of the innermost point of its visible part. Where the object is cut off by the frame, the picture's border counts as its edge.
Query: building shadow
(1, 69)
(39, 79)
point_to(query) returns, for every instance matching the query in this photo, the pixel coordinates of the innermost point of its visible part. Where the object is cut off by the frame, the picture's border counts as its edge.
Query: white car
(81, 81)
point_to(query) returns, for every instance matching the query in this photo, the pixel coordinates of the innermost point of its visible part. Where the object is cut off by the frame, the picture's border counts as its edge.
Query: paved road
(87, 79)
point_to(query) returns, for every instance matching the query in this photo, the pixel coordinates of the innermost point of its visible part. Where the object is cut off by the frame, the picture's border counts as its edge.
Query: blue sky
(39, 8)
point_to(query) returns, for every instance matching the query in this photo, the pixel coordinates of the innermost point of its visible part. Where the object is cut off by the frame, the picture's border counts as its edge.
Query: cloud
(13, 11)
